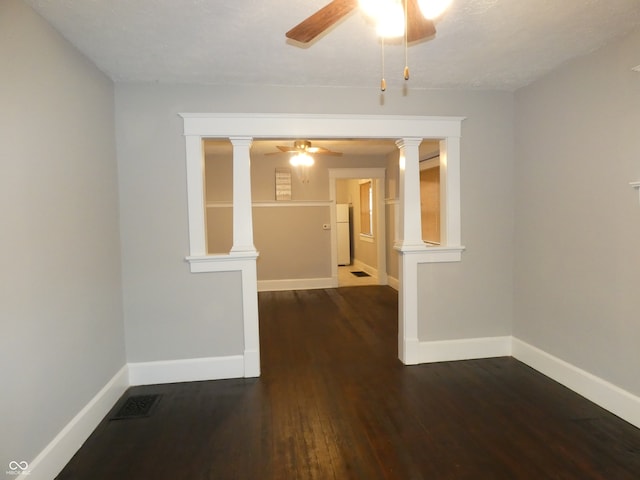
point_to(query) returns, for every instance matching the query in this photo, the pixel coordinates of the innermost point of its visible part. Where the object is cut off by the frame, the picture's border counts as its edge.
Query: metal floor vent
(136, 406)
(361, 274)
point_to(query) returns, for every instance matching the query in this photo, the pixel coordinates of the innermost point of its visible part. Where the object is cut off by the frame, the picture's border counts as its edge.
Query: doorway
(368, 246)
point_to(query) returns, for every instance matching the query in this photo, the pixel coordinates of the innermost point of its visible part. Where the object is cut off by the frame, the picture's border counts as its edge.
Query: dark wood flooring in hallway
(334, 402)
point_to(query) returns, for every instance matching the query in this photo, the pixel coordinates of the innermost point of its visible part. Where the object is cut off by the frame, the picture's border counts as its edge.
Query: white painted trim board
(601, 392)
(296, 284)
(186, 370)
(53, 458)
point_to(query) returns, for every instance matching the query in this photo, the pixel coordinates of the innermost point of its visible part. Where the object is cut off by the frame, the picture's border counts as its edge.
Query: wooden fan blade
(322, 151)
(324, 18)
(418, 27)
(286, 149)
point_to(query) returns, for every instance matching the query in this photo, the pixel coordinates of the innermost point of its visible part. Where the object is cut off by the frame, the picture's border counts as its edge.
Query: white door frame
(377, 174)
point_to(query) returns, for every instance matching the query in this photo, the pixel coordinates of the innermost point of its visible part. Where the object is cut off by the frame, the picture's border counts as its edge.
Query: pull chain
(383, 82)
(406, 41)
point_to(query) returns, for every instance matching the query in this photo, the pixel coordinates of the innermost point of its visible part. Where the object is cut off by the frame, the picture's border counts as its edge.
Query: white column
(408, 244)
(410, 235)
(242, 215)
(196, 196)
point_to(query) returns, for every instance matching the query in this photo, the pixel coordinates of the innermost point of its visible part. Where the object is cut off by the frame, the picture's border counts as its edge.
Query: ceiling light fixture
(432, 9)
(391, 18)
(301, 162)
(387, 15)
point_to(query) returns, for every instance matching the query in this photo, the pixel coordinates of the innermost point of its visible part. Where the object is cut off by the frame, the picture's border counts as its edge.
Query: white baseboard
(393, 282)
(599, 391)
(189, 370)
(365, 268)
(295, 284)
(59, 451)
(251, 363)
(465, 349)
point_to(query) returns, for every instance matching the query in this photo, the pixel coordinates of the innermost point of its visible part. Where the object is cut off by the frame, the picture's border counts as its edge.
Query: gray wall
(167, 309)
(578, 220)
(61, 327)
(474, 298)
(290, 240)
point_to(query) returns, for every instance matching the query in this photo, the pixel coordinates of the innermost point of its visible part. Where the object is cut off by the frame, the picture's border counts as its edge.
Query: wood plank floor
(335, 403)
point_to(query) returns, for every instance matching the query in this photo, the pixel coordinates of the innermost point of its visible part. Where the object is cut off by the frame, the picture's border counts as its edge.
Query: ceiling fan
(304, 147)
(418, 26)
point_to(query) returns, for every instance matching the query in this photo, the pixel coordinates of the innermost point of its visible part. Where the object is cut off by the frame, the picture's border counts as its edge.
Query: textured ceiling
(480, 44)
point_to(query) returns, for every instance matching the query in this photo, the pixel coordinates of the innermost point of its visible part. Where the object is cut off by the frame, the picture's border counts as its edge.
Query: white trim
(366, 237)
(281, 203)
(601, 392)
(219, 204)
(295, 284)
(236, 262)
(59, 451)
(289, 125)
(198, 126)
(245, 263)
(393, 282)
(360, 265)
(187, 370)
(294, 203)
(196, 195)
(409, 350)
(464, 349)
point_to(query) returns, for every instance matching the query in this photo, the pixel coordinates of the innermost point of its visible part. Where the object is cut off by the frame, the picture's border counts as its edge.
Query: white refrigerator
(343, 234)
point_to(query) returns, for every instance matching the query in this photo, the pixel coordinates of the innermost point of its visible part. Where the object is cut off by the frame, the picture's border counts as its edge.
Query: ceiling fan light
(392, 23)
(301, 160)
(373, 8)
(388, 16)
(433, 8)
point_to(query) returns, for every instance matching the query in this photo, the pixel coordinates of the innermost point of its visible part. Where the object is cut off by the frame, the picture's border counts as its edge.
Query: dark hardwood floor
(334, 402)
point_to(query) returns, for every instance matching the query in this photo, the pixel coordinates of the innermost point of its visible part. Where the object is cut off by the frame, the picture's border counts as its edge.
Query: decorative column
(196, 196)
(410, 220)
(408, 244)
(242, 214)
(244, 250)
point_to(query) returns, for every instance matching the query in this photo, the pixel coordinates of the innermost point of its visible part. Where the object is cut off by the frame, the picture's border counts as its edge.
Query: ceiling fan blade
(323, 151)
(282, 148)
(324, 18)
(418, 27)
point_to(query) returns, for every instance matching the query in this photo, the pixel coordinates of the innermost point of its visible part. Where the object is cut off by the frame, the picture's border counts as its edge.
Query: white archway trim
(244, 127)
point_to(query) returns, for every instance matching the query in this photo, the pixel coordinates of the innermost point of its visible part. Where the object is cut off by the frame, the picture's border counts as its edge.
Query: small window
(366, 208)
